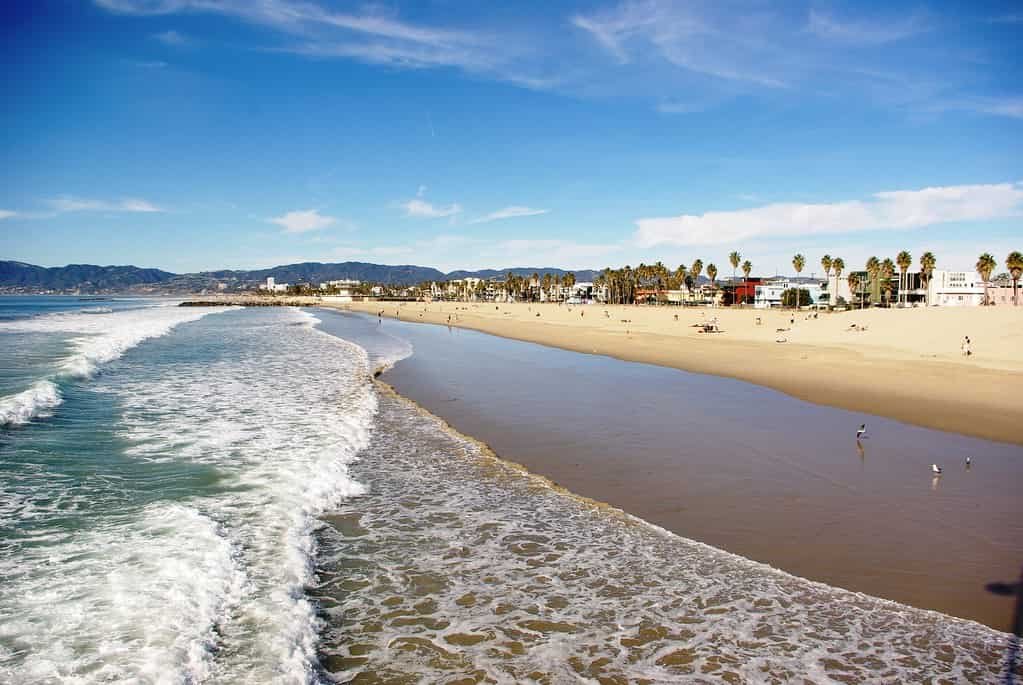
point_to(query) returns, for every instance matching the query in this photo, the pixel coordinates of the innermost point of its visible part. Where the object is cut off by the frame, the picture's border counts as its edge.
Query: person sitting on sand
(966, 347)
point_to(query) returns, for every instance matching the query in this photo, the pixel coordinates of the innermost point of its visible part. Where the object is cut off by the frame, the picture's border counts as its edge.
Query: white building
(272, 286)
(769, 293)
(343, 283)
(955, 289)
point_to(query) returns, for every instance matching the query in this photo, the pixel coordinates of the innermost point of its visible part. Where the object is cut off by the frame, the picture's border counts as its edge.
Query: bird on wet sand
(862, 431)
(936, 469)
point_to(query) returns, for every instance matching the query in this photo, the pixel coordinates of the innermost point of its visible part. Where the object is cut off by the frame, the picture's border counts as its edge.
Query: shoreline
(935, 392)
(489, 452)
(676, 451)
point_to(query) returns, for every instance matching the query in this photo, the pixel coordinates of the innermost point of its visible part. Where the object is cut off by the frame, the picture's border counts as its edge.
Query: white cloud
(69, 203)
(899, 210)
(7, 214)
(170, 38)
(421, 208)
(509, 213)
(301, 221)
(1005, 107)
(863, 32)
(703, 42)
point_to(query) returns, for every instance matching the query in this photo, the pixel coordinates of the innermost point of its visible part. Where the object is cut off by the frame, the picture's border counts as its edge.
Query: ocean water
(225, 496)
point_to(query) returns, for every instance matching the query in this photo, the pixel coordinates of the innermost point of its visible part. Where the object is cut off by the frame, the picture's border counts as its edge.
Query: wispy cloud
(421, 208)
(679, 107)
(69, 203)
(898, 210)
(7, 214)
(302, 221)
(371, 36)
(509, 213)
(1004, 107)
(860, 32)
(701, 42)
(172, 38)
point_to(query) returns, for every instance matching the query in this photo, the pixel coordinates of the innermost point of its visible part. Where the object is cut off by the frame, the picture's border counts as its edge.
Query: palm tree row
(525, 288)
(623, 285)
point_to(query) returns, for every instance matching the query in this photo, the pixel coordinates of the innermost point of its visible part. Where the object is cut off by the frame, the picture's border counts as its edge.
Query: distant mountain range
(22, 277)
(86, 276)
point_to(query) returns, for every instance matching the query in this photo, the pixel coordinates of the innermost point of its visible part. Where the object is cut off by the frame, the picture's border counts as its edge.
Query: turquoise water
(224, 496)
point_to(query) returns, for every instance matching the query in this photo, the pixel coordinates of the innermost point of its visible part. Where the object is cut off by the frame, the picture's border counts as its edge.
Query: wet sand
(735, 465)
(904, 364)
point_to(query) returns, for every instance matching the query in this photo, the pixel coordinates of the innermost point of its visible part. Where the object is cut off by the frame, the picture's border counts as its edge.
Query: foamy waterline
(474, 564)
(268, 413)
(38, 401)
(103, 336)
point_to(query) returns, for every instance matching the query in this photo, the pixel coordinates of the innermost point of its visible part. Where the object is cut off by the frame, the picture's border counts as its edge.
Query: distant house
(955, 289)
(273, 286)
(769, 293)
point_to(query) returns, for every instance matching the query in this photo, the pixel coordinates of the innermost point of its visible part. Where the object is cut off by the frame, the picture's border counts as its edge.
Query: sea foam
(38, 401)
(99, 336)
(270, 413)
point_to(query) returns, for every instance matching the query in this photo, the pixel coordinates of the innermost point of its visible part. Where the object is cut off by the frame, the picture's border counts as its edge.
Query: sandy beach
(902, 364)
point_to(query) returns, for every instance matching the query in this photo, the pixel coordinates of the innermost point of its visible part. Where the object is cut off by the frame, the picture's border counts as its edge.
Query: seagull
(862, 431)
(969, 460)
(936, 469)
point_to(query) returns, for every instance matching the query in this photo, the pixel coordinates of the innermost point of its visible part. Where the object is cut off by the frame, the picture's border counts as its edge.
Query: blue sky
(200, 134)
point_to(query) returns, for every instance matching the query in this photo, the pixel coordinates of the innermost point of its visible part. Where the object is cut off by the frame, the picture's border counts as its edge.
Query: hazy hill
(92, 278)
(87, 276)
(316, 272)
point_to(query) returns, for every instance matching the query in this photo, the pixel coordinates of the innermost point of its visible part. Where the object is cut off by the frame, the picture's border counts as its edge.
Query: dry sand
(905, 365)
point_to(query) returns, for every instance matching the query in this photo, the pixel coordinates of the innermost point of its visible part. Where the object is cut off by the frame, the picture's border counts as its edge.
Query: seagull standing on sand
(936, 469)
(862, 431)
(969, 460)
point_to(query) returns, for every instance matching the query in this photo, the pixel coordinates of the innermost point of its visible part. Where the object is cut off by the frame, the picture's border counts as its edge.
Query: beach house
(955, 289)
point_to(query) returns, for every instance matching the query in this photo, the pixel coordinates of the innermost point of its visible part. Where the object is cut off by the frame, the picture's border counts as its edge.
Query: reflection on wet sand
(458, 567)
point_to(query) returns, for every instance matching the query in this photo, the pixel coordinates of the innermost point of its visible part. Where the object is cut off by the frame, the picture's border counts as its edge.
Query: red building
(741, 291)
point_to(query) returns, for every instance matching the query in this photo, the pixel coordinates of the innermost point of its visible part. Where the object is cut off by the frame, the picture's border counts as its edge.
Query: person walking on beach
(966, 347)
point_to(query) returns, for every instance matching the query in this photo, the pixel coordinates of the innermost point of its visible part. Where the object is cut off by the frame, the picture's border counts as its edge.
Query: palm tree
(904, 260)
(734, 260)
(826, 266)
(747, 266)
(712, 274)
(873, 267)
(985, 265)
(838, 264)
(798, 262)
(927, 263)
(887, 271)
(680, 276)
(694, 273)
(854, 284)
(1014, 263)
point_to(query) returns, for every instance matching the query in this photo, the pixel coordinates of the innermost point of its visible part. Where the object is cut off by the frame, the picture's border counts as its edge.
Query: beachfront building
(768, 294)
(273, 286)
(999, 293)
(740, 290)
(955, 289)
(342, 283)
(842, 295)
